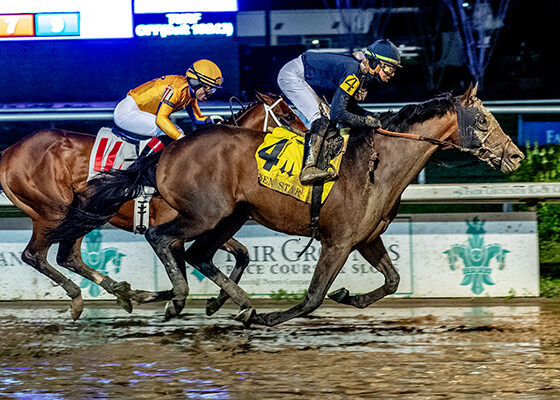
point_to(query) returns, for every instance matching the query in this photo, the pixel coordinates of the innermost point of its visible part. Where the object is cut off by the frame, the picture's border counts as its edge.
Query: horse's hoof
(212, 305)
(76, 307)
(173, 308)
(141, 296)
(339, 295)
(121, 288)
(125, 303)
(246, 316)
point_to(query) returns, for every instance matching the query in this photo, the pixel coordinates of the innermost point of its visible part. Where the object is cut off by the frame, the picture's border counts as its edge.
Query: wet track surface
(399, 349)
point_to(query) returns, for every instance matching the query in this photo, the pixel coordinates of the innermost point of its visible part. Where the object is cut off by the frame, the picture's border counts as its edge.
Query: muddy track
(396, 350)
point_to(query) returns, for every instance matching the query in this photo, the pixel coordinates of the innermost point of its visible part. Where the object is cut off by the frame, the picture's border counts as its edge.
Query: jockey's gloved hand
(216, 119)
(372, 122)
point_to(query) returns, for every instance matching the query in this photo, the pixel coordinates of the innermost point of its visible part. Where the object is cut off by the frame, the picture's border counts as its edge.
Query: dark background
(523, 65)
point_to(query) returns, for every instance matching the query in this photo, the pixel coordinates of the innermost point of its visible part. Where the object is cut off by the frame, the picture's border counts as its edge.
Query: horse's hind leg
(164, 239)
(376, 254)
(241, 256)
(35, 254)
(69, 256)
(330, 263)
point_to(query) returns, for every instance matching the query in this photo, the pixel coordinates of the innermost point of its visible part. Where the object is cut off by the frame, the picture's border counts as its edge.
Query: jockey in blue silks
(344, 77)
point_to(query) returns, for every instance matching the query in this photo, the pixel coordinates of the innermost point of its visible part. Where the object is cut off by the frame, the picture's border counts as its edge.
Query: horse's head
(481, 134)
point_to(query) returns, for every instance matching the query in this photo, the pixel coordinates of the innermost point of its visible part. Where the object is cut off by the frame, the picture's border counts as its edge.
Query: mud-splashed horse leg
(69, 256)
(201, 252)
(163, 238)
(330, 263)
(241, 256)
(35, 254)
(376, 254)
(213, 304)
(142, 296)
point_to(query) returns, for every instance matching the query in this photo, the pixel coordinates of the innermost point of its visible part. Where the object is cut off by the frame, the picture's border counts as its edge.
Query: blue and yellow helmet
(204, 72)
(384, 50)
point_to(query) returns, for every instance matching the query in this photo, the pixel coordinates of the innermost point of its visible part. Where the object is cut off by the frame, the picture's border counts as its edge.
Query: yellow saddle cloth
(279, 161)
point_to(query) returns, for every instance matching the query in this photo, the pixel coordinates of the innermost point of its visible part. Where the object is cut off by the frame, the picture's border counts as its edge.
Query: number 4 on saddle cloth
(117, 150)
(279, 161)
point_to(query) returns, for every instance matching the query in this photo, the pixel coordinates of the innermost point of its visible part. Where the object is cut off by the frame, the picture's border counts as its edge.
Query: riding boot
(313, 142)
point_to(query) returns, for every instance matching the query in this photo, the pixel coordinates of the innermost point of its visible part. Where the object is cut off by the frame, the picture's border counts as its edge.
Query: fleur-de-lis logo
(476, 257)
(98, 258)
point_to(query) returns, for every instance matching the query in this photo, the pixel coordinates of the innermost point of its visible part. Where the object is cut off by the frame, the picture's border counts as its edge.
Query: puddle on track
(415, 351)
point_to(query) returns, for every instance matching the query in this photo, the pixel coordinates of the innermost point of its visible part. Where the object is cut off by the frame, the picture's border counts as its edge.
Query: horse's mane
(230, 120)
(409, 115)
(416, 113)
(235, 117)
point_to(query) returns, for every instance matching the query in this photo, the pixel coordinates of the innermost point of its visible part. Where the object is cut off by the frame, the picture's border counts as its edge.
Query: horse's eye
(481, 122)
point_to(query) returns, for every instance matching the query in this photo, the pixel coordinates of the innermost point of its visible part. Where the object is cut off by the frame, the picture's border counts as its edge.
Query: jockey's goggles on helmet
(209, 89)
(389, 69)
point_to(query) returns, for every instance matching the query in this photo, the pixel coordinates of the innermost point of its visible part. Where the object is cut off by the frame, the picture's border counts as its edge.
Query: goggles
(389, 69)
(208, 89)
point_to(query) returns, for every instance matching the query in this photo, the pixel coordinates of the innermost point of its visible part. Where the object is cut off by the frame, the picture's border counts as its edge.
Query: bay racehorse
(220, 191)
(45, 173)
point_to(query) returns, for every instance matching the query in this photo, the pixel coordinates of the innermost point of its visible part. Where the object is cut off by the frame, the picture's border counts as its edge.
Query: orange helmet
(204, 73)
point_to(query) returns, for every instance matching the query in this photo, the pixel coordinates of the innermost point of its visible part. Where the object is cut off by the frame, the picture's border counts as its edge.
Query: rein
(233, 116)
(412, 136)
(482, 152)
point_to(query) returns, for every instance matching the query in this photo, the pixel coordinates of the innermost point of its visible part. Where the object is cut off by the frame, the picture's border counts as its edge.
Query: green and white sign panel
(437, 255)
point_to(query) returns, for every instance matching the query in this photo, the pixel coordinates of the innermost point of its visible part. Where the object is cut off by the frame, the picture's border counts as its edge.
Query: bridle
(268, 111)
(467, 121)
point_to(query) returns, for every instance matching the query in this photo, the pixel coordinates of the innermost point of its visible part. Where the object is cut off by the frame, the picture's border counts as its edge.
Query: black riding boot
(313, 142)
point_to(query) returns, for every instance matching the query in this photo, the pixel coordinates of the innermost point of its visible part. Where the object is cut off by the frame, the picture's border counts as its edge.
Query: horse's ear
(260, 96)
(469, 96)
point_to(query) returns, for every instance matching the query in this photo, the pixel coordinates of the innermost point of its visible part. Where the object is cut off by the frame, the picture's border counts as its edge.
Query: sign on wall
(436, 255)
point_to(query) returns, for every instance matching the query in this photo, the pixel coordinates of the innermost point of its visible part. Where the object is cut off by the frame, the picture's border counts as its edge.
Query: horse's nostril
(516, 157)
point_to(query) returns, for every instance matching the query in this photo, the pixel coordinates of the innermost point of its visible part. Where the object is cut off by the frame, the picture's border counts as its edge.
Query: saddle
(117, 149)
(279, 162)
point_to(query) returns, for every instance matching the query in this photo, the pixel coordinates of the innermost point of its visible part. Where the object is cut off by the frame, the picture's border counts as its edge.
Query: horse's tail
(104, 196)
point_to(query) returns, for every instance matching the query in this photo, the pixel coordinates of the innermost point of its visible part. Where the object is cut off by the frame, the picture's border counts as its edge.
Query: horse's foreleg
(142, 296)
(330, 263)
(376, 254)
(200, 254)
(241, 256)
(35, 254)
(69, 256)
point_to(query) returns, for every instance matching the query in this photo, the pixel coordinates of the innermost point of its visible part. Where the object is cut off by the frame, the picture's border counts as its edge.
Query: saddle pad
(111, 152)
(279, 162)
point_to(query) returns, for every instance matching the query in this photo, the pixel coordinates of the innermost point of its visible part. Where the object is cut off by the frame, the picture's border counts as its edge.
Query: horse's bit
(468, 119)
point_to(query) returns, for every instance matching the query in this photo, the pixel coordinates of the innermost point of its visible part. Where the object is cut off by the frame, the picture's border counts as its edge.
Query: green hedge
(542, 164)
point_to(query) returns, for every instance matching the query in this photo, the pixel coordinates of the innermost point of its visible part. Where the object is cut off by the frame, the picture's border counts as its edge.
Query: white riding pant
(129, 117)
(291, 80)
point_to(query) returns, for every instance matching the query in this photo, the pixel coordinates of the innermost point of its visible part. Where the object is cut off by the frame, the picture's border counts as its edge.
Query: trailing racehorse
(220, 191)
(45, 175)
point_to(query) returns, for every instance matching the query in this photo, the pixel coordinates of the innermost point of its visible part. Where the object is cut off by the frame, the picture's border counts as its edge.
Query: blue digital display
(180, 6)
(57, 24)
(184, 24)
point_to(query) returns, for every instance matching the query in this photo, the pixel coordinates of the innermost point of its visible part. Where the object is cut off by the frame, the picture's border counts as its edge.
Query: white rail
(481, 193)
(102, 113)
